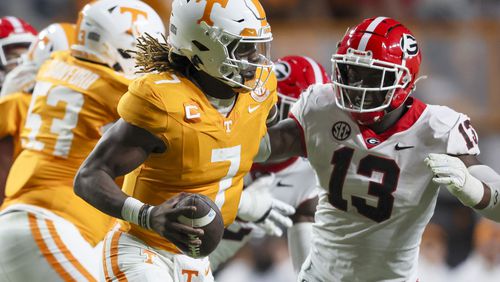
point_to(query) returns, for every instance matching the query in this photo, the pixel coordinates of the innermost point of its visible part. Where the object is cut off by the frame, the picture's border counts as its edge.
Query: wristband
(136, 212)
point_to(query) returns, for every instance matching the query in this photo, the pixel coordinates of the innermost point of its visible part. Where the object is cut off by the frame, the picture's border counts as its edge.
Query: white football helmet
(55, 37)
(106, 29)
(228, 39)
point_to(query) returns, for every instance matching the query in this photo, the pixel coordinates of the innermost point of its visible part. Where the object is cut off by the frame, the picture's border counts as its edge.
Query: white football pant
(37, 245)
(126, 258)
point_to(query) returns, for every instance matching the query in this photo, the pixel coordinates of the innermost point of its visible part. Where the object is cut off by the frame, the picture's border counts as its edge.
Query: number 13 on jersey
(53, 114)
(383, 190)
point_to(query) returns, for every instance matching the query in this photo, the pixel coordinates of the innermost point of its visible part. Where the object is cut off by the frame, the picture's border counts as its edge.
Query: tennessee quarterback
(47, 232)
(380, 156)
(279, 186)
(192, 124)
(16, 35)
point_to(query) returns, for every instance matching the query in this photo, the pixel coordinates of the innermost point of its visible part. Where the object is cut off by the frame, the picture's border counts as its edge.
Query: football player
(380, 156)
(47, 232)
(284, 185)
(16, 36)
(15, 95)
(193, 124)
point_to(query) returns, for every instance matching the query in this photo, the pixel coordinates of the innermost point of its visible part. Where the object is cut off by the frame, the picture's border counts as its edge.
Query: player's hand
(163, 220)
(452, 172)
(257, 205)
(20, 79)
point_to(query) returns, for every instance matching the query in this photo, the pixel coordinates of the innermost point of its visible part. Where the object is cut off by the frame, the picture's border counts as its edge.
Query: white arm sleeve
(226, 250)
(299, 243)
(488, 176)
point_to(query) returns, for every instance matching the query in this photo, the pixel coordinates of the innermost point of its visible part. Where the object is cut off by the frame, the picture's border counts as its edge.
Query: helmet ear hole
(124, 53)
(117, 67)
(196, 61)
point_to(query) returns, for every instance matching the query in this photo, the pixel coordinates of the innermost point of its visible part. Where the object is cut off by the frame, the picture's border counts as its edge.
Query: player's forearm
(226, 250)
(489, 205)
(299, 243)
(300, 234)
(99, 189)
(285, 141)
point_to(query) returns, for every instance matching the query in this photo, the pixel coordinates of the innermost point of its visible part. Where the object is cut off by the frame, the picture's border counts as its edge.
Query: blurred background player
(55, 37)
(275, 185)
(484, 263)
(432, 265)
(16, 35)
(380, 156)
(18, 86)
(44, 227)
(192, 124)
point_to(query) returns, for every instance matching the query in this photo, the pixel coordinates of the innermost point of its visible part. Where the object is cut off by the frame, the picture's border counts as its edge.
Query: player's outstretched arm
(474, 184)
(122, 149)
(282, 141)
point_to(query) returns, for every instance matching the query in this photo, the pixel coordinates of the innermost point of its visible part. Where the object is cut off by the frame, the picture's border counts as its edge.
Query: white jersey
(295, 183)
(378, 194)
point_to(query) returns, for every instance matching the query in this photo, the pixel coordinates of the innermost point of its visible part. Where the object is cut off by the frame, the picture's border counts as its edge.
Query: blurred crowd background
(460, 41)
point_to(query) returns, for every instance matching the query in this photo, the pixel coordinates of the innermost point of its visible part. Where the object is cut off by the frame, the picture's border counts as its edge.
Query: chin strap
(422, 77)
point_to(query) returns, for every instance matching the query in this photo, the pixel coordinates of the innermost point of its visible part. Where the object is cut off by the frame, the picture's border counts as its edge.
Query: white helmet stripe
(366, 37)
(18, 26)
(318, 74)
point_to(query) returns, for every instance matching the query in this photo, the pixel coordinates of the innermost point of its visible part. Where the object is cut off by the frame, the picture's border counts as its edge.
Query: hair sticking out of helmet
(375, 69)
(295, 74)
(108, 29)
(155, 56)
(229, 40)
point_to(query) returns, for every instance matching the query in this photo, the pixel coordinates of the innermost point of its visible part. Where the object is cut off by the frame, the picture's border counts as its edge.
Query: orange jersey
(207, 153)
(13, 111)
(73, 102)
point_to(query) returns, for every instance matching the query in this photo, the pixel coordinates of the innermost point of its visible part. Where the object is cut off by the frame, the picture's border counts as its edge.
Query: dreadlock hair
(155, 56)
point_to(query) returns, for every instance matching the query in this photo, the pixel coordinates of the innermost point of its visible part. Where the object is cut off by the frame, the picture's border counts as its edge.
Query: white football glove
(20, 79)
(453, 173)
(257, 205)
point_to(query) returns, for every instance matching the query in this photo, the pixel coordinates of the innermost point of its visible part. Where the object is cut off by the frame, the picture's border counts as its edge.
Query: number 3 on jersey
(52, 131)
(367, 165)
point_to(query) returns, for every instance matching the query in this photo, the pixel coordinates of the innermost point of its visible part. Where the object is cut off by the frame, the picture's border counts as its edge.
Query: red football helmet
(13, 32)
(375, 68)
(295, 74)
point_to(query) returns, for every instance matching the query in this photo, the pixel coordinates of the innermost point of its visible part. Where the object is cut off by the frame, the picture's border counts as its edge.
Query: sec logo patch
(341, 130)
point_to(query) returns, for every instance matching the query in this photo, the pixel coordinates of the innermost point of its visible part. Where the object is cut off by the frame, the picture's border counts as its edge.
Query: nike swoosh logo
(399, 148)
(279, 184)
(253, 109)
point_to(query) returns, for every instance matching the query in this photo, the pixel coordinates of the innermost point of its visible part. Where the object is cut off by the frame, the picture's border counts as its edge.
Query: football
(207, 217)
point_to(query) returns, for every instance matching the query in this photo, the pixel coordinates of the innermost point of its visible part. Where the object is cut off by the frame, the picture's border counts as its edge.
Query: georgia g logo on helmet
(282, 70)
(409, 45)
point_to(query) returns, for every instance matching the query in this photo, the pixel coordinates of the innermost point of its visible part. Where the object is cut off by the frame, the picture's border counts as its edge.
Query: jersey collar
(416, 108)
